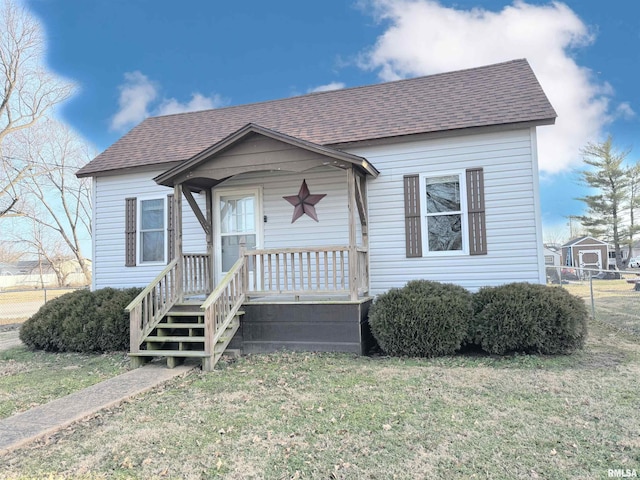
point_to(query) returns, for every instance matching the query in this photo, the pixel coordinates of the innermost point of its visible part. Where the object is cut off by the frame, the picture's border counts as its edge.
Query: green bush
(423, 318)
(81, 321)
(528, 318)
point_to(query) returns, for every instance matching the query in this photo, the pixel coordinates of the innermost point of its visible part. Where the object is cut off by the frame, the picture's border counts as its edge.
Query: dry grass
(616, 303)
(21, 296)
(345, 417)
(28, 379)
(11, 301)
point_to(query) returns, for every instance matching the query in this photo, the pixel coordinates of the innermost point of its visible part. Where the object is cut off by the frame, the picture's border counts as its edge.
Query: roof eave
(168, 178)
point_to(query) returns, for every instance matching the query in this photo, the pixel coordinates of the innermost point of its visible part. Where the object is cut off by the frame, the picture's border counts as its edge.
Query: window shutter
(130, 226)
(171, 239)
(412, 220)
(475, 208)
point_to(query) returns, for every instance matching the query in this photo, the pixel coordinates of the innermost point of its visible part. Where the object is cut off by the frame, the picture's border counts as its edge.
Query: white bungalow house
(291, 214)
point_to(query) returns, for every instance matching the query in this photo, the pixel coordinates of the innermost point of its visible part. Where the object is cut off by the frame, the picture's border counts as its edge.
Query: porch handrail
(152, 304)
(306, 270)
(223, 304)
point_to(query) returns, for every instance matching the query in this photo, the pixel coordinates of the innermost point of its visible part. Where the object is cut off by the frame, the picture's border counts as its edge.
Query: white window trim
(139, 230)
(464, 214)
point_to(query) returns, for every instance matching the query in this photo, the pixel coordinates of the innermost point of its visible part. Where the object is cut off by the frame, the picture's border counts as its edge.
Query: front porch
(312, 299)
(197, 304)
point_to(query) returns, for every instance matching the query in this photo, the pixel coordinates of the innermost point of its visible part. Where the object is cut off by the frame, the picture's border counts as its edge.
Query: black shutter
(476, 211)
(130, 227)
(412, 220)
(171, 237)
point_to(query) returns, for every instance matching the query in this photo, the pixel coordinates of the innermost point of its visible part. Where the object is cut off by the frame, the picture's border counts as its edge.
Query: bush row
(81, 321)
(430, 319)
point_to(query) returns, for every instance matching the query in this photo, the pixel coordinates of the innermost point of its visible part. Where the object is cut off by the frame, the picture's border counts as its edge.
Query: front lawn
(28, 379)
(336, 416)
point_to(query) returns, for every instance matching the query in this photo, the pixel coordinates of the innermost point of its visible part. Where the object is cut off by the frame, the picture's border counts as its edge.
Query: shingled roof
(499, 94)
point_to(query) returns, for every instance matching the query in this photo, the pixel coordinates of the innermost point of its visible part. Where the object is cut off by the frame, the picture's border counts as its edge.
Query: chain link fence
(612, 296)
(18, 305)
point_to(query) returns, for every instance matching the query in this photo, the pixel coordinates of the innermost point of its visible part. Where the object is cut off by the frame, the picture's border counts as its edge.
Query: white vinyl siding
(511, 226)
(333, 215)
(109, 229)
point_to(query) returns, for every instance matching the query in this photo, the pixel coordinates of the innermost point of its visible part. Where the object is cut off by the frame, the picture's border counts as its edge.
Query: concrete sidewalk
(9, 339)
(28, 426)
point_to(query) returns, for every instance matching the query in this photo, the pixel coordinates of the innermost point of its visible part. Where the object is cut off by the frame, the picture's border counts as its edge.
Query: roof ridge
(329, 92)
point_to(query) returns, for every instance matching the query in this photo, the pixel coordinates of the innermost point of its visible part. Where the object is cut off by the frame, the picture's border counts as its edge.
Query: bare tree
(27, 90)
(55, 198)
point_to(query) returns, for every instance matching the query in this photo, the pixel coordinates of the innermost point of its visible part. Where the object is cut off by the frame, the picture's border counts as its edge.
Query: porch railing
(299, 271)
(152, 304)
(196, 274)
(223, 304)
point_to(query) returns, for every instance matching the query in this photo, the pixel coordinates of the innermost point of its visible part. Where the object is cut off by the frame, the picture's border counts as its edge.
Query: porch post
(361, 203)
(177, 211)
(353, 259)
(209, 235)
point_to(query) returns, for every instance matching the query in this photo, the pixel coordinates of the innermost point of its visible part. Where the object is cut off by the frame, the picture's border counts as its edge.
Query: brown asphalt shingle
(492, 95)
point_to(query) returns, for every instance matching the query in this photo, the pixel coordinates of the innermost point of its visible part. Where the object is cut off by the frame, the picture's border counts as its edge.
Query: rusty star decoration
(304, 202)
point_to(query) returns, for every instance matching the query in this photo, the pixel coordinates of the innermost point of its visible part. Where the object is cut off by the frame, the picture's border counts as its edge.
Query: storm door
(237, 224)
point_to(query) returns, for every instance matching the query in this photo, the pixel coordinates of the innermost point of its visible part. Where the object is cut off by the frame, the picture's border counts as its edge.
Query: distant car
(634, 262)
(608, 275)
(569, 274)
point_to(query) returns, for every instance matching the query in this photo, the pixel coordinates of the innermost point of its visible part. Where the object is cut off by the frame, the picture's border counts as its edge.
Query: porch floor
(307, 299)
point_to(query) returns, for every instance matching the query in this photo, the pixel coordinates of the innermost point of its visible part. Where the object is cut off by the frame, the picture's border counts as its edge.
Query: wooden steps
(180, 335)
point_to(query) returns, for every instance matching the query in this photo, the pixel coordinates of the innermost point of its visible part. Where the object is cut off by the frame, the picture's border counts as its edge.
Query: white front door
(237, 222)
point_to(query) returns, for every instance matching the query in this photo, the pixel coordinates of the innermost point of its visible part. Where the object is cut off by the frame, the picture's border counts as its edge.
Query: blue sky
(134, 58)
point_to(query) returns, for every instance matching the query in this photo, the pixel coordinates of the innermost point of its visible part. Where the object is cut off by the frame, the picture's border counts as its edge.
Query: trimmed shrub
(527, 317)
(81, 321)
(422, 319)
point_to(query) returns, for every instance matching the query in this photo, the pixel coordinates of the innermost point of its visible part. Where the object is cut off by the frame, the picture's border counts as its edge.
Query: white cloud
(139, 99)
(197, 102)
(136, 94)
(625, 111)
(423, 37)
(327, 87)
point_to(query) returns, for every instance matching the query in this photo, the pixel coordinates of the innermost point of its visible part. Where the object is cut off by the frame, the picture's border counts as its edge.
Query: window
(445, 213)
(149, 231)
(152, 230)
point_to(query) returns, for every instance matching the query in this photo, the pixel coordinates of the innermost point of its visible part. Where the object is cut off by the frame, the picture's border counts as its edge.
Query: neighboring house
(333, 196)
(552, 257)
(586, 252)
(8, 269)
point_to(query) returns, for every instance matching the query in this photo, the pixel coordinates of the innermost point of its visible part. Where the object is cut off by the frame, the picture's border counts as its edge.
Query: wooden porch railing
(152, 304)
(298, 271)
(196, 274)
(223, 304)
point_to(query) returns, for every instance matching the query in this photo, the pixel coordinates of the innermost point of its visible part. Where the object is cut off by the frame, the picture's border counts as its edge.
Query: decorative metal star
(304, 202)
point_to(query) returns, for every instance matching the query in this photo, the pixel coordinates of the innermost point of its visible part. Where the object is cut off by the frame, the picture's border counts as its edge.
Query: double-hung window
(444, 213)
(152, 230)
(149, 232)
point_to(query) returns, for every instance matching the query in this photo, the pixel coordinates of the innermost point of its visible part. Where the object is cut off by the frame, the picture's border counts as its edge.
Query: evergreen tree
(610, 178)
(633, 204)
